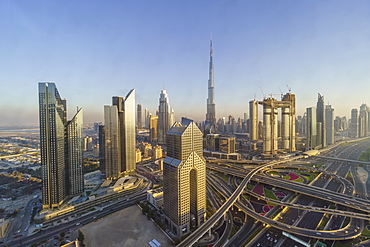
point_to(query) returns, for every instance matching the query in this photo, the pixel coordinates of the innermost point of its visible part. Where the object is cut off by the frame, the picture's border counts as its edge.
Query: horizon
(93, 51)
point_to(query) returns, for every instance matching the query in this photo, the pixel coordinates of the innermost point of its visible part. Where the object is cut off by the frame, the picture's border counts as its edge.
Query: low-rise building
(155, 197)
(3, 227)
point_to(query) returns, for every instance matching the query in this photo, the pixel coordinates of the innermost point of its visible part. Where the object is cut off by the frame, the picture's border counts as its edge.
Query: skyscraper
(211, 106)
(153, 128)
(61, 145)
(253, 123)
(311, 132)
(363, 120)
(353, 129)
(329, 119)
(102, 148)
(320, 118)
(184, 178)
(146, 118)
(120, 135)
(164, 117)
(74, 155)
(139, 117)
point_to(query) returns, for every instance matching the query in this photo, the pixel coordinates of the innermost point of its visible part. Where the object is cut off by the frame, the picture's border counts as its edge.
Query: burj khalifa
(211, 111)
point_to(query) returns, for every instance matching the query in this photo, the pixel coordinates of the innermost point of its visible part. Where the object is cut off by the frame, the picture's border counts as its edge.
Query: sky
(94, 50)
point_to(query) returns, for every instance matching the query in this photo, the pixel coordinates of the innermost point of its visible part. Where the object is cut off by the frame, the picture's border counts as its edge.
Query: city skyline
(97, 50)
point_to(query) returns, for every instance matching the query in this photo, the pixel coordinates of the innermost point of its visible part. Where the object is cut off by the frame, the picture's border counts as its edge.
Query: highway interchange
(341, 202)
(330, 196)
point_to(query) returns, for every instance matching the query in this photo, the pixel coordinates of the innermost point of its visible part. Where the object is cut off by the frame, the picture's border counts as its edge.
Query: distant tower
(363, 120)
(253, 123)
(147, 118)
(211, 106)
(120, 136)
(153, 128)
(184, 178)
(311, 132)
(321, 125)
(164, 117)
(61, 144)
(139, 117)
(329, 119)
(353, 129)
(102, 148)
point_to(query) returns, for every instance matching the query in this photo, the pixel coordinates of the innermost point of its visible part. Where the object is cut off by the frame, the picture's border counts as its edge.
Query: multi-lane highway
(317, 201)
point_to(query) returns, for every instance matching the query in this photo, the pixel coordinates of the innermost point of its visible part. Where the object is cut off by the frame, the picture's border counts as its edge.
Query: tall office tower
(184, 178)
(245, 117)
(213, 142)
(153, 127)
(164, 117)
(120, 136)
(61, 145)
(329, 119)
(311, 132)
(301, 123)
(288, 122)
(211, 106)
(344, 123)
(363, 120)
(102, 148)
(320, 118)
(139, 117)
(147, 118)
(112, 142)
(353, 128)
(337, 124)
(74, 155)
(253, 114)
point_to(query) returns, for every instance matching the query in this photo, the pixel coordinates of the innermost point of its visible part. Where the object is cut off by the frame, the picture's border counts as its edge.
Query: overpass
(345, 160)
(206, 226)
(347, 232)
(345, 200)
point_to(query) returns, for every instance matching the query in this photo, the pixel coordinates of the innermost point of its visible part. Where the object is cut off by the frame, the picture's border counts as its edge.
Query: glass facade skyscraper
(120, 135)
(61, 148)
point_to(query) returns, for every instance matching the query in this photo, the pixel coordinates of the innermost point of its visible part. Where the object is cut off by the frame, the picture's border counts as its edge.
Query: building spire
(211, 115)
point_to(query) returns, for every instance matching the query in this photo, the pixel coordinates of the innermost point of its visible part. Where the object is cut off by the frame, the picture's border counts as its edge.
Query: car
(332, 233)
(77, 224)
(318, 233)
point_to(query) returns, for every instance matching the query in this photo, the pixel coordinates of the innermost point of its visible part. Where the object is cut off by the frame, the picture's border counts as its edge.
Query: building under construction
(270, 123)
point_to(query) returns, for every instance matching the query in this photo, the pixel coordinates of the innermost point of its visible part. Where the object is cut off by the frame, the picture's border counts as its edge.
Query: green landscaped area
(271, 195)
(317, 165)
(299, 180)
(311, 176)
(365, 156)
(273, 173)
(250, 186)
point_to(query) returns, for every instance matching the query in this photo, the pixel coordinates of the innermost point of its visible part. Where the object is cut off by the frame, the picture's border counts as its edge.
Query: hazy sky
(93, 50)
